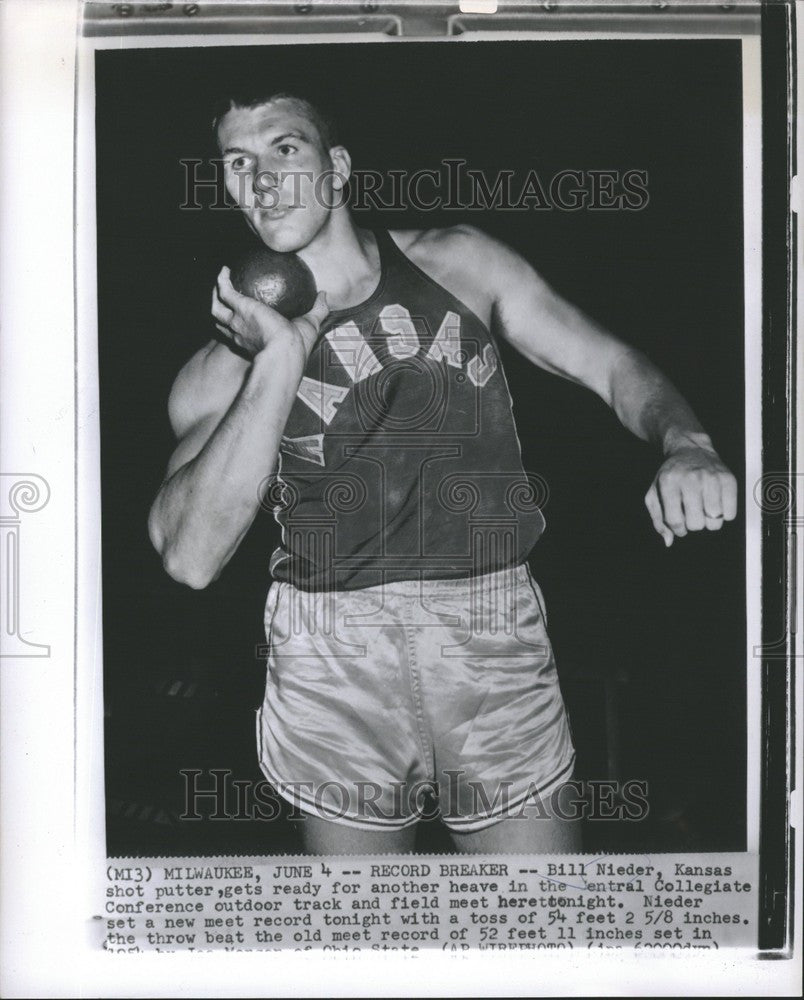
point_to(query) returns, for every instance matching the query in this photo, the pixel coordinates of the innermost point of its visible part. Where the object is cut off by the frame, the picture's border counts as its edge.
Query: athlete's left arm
(693, 489)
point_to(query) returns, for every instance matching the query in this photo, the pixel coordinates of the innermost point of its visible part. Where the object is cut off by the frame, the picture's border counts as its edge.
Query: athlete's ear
(342, 165)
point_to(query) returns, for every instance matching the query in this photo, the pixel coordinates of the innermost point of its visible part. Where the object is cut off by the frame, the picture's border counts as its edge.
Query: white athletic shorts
(394, 703)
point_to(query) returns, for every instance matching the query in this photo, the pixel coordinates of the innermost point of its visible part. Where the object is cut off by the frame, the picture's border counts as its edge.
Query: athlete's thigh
(522, 835)
(322, 836)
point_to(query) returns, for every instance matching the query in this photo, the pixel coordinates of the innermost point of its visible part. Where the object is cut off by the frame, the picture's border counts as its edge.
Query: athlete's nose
(264, 180)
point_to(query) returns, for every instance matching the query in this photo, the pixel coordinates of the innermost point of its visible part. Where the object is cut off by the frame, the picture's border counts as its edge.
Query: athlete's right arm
(229, 416)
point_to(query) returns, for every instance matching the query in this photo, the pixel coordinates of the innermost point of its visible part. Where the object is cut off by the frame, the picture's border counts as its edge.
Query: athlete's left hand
(692, 490)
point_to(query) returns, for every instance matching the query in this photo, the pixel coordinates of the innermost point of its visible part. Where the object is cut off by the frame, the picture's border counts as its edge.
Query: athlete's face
(278, 172)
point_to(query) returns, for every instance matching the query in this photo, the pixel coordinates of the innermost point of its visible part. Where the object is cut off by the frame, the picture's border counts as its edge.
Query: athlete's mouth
(275, 212)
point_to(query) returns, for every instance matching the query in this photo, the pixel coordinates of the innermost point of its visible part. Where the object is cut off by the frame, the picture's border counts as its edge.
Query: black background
(650, 642)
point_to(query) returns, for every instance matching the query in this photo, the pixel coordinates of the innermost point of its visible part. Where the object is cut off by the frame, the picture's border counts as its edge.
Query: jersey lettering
(322, 398)
(447, 342)
(403, 341)
(480, 372)
(353, 352)
(310, 448)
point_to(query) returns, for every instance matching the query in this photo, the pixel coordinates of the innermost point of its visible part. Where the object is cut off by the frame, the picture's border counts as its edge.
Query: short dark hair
(322, 122)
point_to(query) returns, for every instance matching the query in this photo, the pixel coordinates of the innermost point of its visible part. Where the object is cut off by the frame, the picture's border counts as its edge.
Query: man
(407, 638)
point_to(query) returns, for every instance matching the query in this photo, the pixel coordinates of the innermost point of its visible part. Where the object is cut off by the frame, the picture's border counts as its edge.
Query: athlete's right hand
(252, 326)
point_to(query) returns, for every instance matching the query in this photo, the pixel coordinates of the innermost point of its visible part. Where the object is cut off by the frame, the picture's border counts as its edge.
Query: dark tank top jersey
(400, 459)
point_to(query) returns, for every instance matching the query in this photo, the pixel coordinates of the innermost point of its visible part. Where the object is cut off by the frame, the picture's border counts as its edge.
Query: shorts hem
(481, 822)
(459, 825)
(310, 808)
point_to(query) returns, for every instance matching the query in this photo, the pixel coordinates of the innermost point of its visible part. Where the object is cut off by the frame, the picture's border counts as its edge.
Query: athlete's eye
(286, 149)
(240, 163)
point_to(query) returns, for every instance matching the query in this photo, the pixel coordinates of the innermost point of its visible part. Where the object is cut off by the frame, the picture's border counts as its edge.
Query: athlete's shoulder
(206, 384)
(462, 258)
(463, 247)
(458, 240)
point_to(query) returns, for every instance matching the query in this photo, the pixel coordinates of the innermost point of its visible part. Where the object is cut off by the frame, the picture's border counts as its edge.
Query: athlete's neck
(344, 260)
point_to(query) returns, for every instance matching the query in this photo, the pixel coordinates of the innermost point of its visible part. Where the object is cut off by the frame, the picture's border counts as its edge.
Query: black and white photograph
(495, 374)
(434, 527)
